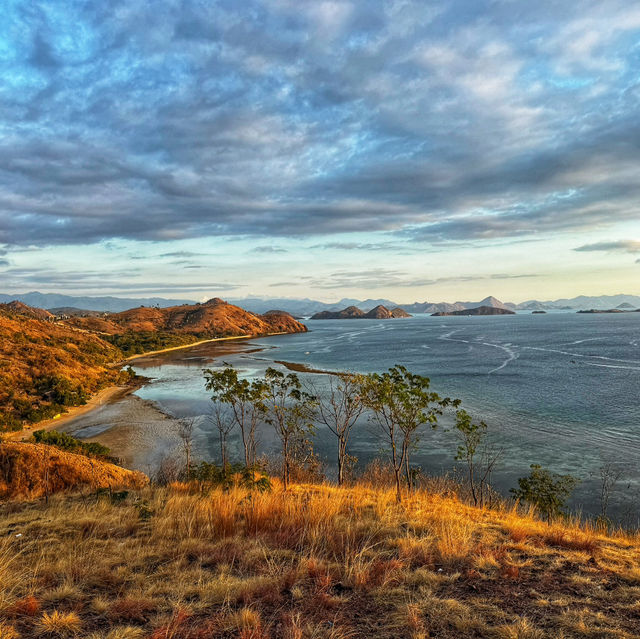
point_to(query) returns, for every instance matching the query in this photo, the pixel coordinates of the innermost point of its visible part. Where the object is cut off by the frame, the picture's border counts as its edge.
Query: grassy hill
(47, 365)
(214, 318)
(314, 562)
(29, 471)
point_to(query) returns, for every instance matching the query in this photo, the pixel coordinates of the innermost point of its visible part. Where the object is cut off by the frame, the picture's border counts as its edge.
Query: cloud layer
(432, 121)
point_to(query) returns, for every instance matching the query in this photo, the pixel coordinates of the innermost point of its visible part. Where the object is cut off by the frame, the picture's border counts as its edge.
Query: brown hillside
(314, 562)
(18, 308)
(29, 471)
(43, 363)
(214, 318)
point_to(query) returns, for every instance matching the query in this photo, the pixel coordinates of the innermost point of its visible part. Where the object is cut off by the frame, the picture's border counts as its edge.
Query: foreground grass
(317, 562)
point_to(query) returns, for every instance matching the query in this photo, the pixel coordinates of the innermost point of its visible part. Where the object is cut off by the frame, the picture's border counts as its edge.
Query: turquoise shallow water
(560, 389)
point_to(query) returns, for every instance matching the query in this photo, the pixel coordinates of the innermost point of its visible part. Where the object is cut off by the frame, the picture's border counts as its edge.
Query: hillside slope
(30, 471)
(45, 366)
(315, 562)
(215, 318)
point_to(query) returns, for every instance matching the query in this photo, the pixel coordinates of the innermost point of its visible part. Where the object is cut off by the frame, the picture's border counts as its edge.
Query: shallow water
(560, 389)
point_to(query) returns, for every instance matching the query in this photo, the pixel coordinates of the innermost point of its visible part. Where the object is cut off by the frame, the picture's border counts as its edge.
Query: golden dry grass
(315, 562)
(33, 470)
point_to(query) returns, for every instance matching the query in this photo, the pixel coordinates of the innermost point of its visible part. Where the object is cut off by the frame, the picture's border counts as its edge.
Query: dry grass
(33, 470)
(316, 562)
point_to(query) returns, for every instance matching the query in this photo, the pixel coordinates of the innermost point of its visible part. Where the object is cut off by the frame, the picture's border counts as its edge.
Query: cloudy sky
(413, 150)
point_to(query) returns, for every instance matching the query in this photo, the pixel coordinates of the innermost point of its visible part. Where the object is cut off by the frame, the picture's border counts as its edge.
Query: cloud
(4, 262)
(472, 120)
(268, 249)
(624, 246)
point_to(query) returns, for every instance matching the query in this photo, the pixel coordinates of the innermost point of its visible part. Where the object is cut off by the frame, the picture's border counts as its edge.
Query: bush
(547, 491)
(73, 445)
(252, 477)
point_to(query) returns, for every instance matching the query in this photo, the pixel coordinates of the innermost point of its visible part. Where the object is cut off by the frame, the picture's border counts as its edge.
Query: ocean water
(561, 389)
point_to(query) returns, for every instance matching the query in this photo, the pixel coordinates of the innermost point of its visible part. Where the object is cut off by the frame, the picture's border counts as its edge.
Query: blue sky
(411, 150)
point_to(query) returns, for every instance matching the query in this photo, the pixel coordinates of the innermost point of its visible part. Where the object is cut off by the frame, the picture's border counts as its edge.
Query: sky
(287, 148)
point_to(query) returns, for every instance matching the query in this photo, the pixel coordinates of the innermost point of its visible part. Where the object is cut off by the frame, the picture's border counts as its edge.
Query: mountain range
(307, 307)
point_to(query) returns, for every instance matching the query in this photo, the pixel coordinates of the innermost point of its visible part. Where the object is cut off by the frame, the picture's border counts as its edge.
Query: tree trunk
(341, 455)
(285, 468)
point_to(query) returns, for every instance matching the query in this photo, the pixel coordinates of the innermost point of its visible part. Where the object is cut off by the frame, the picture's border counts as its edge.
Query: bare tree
(339, 410)
(478, 453)
(184, 430)
(224, 420)
(610, 474)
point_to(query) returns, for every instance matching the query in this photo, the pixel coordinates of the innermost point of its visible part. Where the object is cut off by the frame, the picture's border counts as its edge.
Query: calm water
(561, 389)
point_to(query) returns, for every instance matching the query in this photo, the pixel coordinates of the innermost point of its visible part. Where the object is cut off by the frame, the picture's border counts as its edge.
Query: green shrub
(73, 445)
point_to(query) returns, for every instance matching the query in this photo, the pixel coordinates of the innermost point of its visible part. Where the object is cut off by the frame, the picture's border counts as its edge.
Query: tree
(547, 491)
(339, 410)
(246, 401)
(610, 474)
(184, 430)
(400, 403)
(289, 410)
(480, 457)
(224, 420)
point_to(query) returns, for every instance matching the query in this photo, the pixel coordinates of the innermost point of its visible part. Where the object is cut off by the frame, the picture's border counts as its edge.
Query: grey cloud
(625, 246)
(268, 249)
(451, 121)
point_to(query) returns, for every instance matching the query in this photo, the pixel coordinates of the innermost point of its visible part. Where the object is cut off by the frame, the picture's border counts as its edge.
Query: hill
(106, 303)
(353, 312)
(480, 310)
(316, 561)
(215, 318)
(29, 471)
(46, 366)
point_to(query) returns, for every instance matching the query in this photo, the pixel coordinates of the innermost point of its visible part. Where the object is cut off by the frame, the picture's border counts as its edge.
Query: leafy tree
(474, 450)
(547, 491)
(246, 401)
(290, 411)
(339, 410)
(400, 404)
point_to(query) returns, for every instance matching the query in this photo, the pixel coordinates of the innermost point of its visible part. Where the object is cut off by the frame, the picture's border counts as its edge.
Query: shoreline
(193, 344)
(107, 395)
(137, 430)
(111, 394)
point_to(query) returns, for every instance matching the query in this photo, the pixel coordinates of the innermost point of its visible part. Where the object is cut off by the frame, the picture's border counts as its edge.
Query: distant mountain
(583, 302)
(480, 310)
(353, 312)
(111, 304)
(306, 307)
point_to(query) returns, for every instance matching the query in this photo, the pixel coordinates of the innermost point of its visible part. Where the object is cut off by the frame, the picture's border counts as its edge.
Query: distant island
(610, 310)
(539, 313)
(353, 312)
(480, 310)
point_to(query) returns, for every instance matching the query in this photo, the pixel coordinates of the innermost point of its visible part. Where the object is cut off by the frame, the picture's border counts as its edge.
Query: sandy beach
(136, 430)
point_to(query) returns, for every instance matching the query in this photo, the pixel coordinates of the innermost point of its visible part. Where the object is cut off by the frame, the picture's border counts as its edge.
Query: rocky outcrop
(353, 312)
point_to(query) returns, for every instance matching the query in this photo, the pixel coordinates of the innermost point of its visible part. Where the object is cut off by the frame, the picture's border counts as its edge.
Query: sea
(560, 389)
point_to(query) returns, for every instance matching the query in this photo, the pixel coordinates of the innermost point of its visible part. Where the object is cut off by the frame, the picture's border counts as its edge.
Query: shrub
(547, 491)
